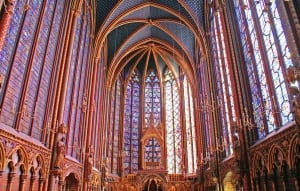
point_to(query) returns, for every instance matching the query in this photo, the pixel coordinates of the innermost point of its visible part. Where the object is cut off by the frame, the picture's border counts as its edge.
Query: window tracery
(131, 124)
(113, 150)
(225, 100)
(136, 143)
(173, 127)
(152, 153)
(190, 127)
(30, 35)
(266, 56)
(152, 99)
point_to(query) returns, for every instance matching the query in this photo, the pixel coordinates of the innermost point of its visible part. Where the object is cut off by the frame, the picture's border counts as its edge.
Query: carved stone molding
(12, 143)
(72, 166)
(273, 151)
(280, 137)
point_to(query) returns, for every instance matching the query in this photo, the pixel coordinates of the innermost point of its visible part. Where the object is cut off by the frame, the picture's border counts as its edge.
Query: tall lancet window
(131, 124)
(27, 60)
(173, 128)
(266, 55)
(114, 127)
(152, 98)
(225, 99)
(190, 127)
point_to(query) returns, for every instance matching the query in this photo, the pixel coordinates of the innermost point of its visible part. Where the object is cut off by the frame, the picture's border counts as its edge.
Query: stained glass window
(71, 105)
(75, 94)
(6, 53)
(81, 95)
(152, 99)
(18, 53)
(131, 124)
(266, 54)
(204, 114)
(190, 127)
(77, 45)
(152, 153)
(173, 127)
(49, 61)
(11, 36)
(34, 79)
(114, 127)
(224, 86)
(31, 35)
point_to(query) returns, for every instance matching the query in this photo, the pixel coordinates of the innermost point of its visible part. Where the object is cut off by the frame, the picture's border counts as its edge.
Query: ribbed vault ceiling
(148, 33)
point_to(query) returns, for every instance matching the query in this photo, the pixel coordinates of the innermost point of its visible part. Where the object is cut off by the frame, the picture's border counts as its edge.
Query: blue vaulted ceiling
(108, 10)
(164, 26)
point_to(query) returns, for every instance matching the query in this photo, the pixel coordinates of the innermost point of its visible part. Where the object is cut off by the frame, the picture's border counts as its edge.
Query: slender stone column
(5, 20)
(61, 184)
(11, 175)
(22, 182)
(63, 79)
(41, 184)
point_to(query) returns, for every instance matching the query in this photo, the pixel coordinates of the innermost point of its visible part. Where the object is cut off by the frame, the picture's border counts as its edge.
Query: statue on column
(89, 165)
(104, 171)
(60, 146)
(295, 94)
(293, 75)
(236, 148)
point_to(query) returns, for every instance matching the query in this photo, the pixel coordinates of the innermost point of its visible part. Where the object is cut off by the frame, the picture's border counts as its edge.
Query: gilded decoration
(294, 156)
(210, 61)
(275, 157)
(152, 132)
(143, 181)
(2, 157)
(60, 147)
(16, 152)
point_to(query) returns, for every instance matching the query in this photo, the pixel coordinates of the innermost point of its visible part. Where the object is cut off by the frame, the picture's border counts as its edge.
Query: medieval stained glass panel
(152, 153)
(225, 93)
(152, 99)
(173, 127)
(19, 62)
(269, 97)
(131, 125)
(113, 146)
(190, 128)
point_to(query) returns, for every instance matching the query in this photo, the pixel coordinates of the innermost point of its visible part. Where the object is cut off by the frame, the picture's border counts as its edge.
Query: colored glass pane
(152, 99)
(225, 94)
(131, 125)
(173, 128)
(274, 46)
(75, 52)
(190, 128)
(152, 151)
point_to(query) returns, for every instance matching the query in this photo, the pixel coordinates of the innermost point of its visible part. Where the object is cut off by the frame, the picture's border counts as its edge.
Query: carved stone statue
(104, 170)
(89, 165)
(60, 146)
(295, 93)
(236, 148)
(292, 74)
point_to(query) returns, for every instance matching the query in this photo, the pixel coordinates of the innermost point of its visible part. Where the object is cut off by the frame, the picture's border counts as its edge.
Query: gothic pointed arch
(18, 156)
(293, 158)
